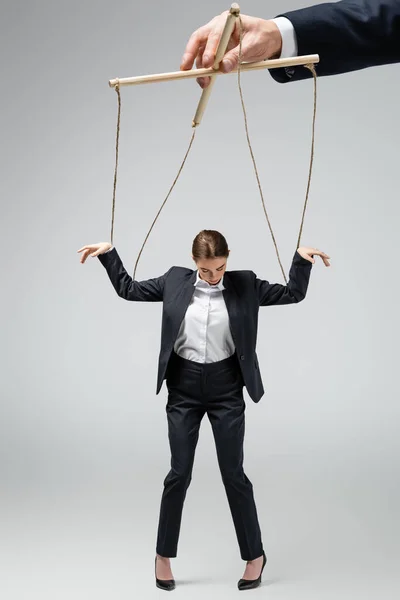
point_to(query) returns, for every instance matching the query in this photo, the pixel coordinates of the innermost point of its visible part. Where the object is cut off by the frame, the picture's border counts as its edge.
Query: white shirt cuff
(289, 38)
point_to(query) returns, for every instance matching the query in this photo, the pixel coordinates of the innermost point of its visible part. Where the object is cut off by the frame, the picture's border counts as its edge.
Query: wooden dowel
(276, 63)
(222, 46)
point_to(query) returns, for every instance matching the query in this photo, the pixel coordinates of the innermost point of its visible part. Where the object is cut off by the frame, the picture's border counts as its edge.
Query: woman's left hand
(309, 253)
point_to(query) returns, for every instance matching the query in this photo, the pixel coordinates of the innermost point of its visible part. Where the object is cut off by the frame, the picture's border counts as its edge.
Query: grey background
(83, 437)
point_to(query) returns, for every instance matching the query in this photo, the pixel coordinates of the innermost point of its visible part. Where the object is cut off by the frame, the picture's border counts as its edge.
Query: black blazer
(347, 35)
(244, 293)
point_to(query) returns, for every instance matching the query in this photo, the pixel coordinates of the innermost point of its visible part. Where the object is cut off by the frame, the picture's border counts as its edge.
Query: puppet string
(116, 162)
(115, 180)
(166, 198)
(314, 74)
(251, 149)
(312, 69)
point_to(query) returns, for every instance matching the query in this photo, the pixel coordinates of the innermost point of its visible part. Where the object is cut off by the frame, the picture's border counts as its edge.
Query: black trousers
(193, 390)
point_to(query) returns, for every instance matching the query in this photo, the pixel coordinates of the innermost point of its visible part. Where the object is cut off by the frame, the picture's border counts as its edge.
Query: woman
(209, 331)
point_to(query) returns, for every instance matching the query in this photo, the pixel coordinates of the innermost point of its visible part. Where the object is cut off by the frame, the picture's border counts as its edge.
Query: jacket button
(242, 357)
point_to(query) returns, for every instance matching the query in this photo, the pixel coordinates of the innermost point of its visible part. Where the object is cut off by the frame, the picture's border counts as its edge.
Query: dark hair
(209, 244)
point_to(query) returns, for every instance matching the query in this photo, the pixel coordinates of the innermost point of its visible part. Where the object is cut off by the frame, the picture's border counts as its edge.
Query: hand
(309, 253)
(94, 250)
(261, 40)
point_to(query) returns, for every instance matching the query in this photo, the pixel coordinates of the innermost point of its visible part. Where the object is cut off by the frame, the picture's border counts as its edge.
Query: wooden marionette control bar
(276, 63)
(219, 54)
(230, 24)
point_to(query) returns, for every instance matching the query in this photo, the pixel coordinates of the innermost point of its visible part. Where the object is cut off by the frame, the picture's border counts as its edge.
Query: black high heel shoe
(164, 584)
(249, 584)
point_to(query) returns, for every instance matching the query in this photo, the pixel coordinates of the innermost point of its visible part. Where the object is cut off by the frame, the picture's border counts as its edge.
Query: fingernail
(206, 58)
(228, 66)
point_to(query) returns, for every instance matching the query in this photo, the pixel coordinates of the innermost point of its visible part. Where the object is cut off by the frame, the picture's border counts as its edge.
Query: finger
(199, 57)
(324, 257)
(307, 257)
(199, 65)
(84, 256)
(83, 248)
(318, 252)
(213, 41)
(203, 81)
(231, 60)
(197, 39)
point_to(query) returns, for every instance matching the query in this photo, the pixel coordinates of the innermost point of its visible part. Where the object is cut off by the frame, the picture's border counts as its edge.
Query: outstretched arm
(299, 275)
(150, 290)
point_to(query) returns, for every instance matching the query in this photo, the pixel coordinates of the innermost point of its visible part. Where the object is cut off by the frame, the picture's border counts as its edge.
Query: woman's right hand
(94, 250)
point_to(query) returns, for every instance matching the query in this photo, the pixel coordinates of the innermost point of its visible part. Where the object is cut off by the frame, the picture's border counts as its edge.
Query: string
(116, 162)
(115, 180)
(312, 69)
(314, 74)
(251, 149)
(165, 200)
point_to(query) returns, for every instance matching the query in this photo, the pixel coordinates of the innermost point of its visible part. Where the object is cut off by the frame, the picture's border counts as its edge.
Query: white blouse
(204, 335)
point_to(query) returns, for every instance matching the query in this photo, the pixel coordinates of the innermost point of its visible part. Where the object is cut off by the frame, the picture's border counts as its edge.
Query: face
(211, 269)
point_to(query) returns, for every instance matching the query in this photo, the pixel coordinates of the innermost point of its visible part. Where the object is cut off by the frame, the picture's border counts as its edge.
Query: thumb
(231, 60)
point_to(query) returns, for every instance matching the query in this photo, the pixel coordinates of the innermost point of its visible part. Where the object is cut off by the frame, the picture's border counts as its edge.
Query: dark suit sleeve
(293, 292)
(151, 290)
(347, 35)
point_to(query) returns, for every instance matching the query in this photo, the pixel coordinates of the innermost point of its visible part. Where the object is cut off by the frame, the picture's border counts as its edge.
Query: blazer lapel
(183, 301)
(231, 301)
